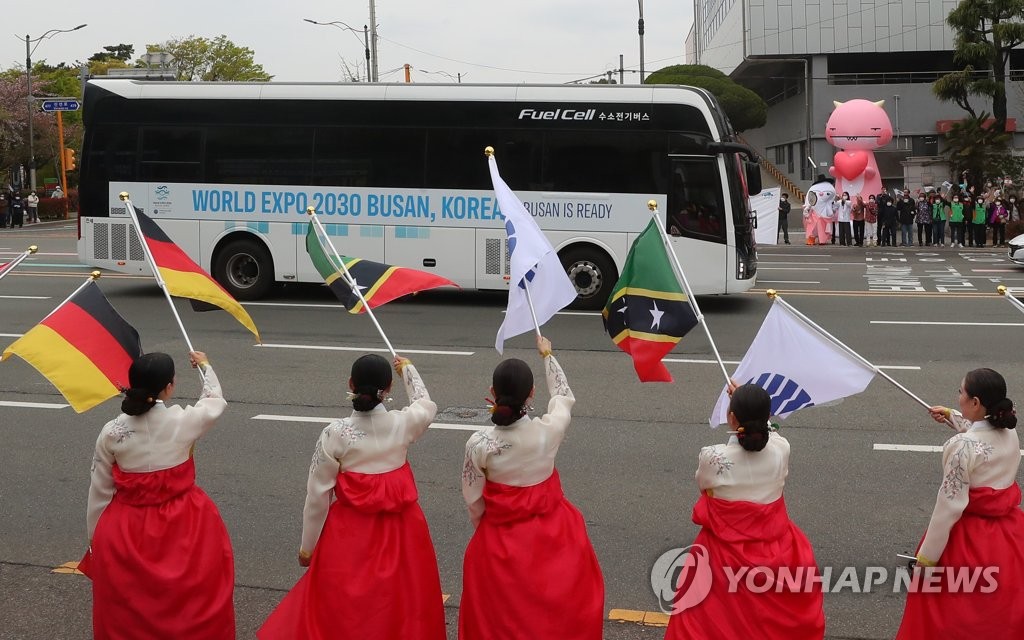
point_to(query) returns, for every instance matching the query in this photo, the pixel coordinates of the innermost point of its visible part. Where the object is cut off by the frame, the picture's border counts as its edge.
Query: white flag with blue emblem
(796, 365)
(532, 260)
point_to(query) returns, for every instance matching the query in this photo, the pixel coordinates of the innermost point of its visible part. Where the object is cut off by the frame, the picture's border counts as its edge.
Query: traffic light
(69, 160)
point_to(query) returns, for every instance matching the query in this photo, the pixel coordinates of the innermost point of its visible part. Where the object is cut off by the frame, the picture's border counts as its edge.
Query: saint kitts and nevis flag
(83, 347)
(648, 312)
(379, 283)
(184, 278)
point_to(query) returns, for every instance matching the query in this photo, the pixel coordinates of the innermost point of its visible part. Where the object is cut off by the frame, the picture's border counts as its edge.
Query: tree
(219, 59)
(986, 32)
(122, 52)
(977, 145)
(745, 109)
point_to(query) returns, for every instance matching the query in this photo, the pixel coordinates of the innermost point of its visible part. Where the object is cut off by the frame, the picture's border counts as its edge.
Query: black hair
(512, 382)
(989, 388)
(371, 377)
(752, 406)
(148, 376)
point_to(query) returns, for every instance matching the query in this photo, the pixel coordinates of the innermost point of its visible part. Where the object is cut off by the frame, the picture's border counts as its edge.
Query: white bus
(399, 175)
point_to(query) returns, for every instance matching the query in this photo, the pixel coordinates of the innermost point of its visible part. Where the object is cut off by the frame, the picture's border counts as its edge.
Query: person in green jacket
(940, 213)
(956, 222)
(978, 222)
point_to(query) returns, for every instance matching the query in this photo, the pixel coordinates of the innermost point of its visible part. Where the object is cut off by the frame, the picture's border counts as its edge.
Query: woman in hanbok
(977, 526)
(746, 528)
(159, 557)
(530, 570)
(372, 567)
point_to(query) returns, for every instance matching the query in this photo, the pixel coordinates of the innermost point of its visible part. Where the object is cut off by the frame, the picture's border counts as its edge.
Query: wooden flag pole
(681, 277)
(156, 273)
(349, 280)
(774, 295)
(13, 263)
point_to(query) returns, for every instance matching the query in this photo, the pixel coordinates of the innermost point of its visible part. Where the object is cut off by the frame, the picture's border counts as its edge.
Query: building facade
(801, 55)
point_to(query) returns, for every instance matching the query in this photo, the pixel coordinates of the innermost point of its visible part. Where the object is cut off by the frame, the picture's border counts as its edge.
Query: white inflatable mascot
(818, 211)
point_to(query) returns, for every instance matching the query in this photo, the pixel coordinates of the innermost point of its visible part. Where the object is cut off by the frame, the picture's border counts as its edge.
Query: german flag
(185, 278)
(648, 313)
(379, 283)
(83, 347)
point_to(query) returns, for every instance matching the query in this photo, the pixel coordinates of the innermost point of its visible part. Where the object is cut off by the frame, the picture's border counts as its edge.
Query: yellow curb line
(645, 618)
(68, 567)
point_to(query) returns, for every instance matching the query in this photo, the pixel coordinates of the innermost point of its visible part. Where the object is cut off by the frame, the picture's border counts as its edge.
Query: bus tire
(593, 274)
(245, 268)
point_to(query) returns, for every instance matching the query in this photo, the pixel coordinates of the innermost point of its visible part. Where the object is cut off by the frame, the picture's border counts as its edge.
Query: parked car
(1016, 251)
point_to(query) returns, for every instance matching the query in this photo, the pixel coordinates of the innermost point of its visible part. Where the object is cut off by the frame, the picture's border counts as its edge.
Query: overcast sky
(548, 41)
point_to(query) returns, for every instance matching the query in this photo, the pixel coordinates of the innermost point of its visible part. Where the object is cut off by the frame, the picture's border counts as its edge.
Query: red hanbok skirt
(990, 533)
(160, 561)
(530, 571)
(373, 574)
(746, 535)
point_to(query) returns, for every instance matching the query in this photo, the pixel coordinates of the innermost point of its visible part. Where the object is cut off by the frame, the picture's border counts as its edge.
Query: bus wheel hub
(586, 277)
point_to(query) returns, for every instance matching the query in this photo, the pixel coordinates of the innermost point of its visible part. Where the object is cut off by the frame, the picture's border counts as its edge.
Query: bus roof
(640, 94)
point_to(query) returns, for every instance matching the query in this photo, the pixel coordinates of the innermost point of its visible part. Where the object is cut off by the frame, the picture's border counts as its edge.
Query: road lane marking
(39, 253)
(69, 568)
(318, 347)
(790, 281)
(293, 304)
(760, 268)
(433, 425)
(950, 324)
(32, 405)
(813, 264)
(25, 297)
(915, 448)
(11, 335)
(645, 618)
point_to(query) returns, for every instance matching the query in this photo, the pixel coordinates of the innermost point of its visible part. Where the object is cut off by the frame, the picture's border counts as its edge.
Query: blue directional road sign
(61, 105)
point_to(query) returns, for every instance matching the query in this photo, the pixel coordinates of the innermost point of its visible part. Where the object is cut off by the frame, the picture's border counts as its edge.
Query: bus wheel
(245, 269)
(592, 272)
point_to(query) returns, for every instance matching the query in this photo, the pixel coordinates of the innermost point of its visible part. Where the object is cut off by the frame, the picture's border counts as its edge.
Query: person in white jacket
(33, 207)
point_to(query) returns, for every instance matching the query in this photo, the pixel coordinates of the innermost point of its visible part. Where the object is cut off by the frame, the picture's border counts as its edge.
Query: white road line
(699, 361)
(996, 270)
(797, 255)
(763, 268)
(25, 297)
(951, 324)
(916, 448)
(570, 313)
(32, 405)
(788, 282)
(317, 347)
(11, 335)
(434, 425)
(40, 253)
(827, 264)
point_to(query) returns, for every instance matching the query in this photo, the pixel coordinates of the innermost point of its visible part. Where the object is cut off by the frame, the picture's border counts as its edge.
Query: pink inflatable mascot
(857, 127)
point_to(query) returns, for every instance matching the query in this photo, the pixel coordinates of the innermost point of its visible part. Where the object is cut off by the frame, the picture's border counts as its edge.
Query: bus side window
(259, 155)
(369, 157)
(172, 154)
(695, 200)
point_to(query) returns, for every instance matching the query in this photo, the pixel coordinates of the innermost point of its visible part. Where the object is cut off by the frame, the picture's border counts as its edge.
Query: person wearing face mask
(923, 219)
(1014, 208)
(998, 218)
(956, 222)
(907, 210)
(844, 211)
(978, 219)
(871, 222)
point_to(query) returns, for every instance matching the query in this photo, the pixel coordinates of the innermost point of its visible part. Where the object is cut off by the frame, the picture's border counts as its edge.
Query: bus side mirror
(753, 171)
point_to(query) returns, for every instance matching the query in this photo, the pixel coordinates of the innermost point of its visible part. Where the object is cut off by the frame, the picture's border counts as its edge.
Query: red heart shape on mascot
(850, 164)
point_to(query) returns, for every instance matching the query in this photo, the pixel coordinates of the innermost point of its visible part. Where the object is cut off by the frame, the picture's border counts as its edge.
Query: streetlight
(344, 27)
(29, 50)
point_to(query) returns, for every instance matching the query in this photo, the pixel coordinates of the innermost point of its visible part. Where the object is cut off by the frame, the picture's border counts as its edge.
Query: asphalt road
(628, 463)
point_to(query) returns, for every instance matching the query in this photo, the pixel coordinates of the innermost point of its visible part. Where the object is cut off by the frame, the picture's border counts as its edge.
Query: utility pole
(640, 30)
(373, 38)
(408, 76)
(622, 72)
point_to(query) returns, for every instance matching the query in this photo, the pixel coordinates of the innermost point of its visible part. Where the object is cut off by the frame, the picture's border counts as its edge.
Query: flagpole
(156, 273)
(348, 277)
(681, 276)
(529, 301)
(1012, 299)
(774, 295)
(13, 263)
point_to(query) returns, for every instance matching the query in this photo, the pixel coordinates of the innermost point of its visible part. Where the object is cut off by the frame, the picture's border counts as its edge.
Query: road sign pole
(63, 167)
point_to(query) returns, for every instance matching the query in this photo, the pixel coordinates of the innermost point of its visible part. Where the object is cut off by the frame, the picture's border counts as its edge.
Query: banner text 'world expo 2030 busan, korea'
(410, 207)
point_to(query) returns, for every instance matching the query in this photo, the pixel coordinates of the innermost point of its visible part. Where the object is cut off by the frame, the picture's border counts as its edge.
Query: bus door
(697, 220)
